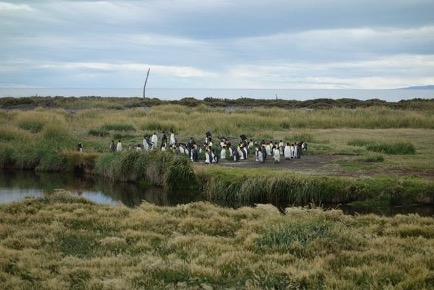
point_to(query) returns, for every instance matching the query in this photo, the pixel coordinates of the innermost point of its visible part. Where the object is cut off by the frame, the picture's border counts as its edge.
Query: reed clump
(230, 187)
(154, 167)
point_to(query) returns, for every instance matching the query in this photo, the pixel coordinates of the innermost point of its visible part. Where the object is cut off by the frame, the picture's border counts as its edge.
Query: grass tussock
(118, 127)
(155, 167)
(62, 241)
(372, 158)
(99, 132)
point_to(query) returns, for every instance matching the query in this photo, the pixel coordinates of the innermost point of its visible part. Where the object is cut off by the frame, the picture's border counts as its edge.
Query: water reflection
(389, 211)
(16, 185)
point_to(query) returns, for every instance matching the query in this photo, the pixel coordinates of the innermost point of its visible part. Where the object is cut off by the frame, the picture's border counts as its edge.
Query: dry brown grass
(67, 242)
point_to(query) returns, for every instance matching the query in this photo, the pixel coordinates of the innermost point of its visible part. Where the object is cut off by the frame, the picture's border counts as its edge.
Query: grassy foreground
(62, 241)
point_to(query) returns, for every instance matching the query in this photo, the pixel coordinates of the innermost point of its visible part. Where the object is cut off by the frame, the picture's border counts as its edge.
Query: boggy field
(357, 151)
(372, 154)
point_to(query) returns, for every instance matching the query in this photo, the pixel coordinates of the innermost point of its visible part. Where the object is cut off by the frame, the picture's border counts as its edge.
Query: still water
(17, 185)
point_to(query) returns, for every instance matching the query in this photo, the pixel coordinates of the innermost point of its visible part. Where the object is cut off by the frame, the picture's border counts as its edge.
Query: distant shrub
(118, 127)
(34, 126)
(394, 149)
(98, 133)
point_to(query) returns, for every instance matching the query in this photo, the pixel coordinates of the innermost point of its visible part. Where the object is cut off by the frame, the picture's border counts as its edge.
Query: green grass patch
(123, 136)
(8, 135)
(372, 158)
(393, 149)
(398, 148)
(235, 186)
(358, 142)
(381, 202)
(32, 125)
(98, 133)
(302, 137)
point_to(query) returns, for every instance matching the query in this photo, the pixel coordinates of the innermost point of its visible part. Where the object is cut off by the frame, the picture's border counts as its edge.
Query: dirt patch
(328, 164)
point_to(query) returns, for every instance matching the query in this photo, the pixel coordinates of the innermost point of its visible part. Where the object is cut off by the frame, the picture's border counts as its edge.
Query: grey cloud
(285, 37)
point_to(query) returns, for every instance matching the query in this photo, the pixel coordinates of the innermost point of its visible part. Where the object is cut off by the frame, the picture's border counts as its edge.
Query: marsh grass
(154, 167)
(230, 186)
(63, 241)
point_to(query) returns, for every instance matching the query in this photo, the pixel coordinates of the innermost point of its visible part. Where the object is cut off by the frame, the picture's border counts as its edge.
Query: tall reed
(155, 167)
(296, 189)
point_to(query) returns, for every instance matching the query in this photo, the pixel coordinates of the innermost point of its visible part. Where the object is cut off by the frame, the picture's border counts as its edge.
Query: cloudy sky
(368, 44)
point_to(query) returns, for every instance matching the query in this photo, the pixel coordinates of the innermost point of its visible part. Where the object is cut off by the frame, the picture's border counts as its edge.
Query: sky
(309, 44)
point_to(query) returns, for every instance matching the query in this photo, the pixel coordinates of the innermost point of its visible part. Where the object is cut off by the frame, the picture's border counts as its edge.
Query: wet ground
(330, 164)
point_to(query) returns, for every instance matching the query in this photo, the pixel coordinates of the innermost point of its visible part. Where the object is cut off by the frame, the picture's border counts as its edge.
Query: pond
(17, 185)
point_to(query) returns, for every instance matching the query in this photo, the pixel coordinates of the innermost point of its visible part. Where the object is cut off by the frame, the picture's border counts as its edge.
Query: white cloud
(385, 73)
(5, 6)
(177, 71)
